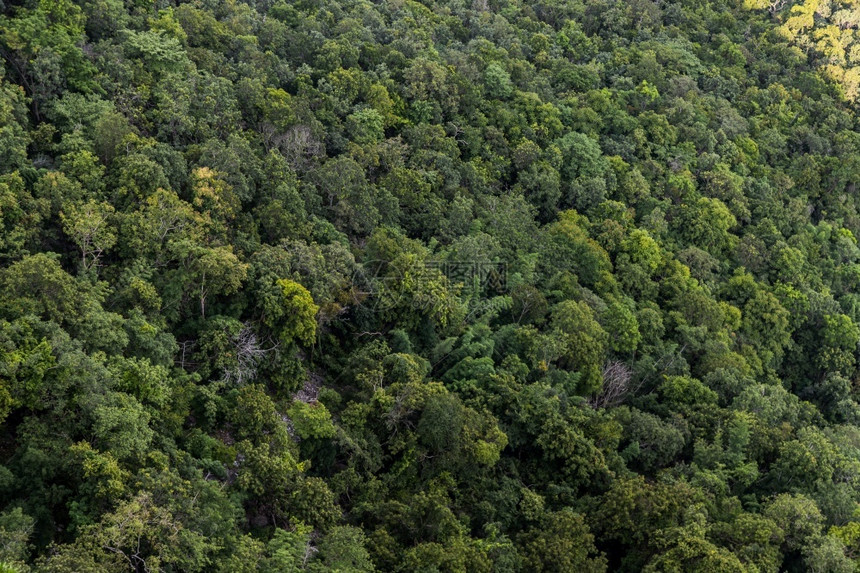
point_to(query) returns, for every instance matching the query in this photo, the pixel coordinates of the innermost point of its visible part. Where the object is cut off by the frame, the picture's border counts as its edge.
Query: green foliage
(431, 287)
(88, 225)
(13, 118)
(706, 223)
(498, 81)
(585, 342)
(296, 313)
(311, 420)
(561, 543)
(121, 426)
(365, 126)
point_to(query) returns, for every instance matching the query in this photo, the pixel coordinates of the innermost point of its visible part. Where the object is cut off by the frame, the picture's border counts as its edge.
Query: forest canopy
(431, 286)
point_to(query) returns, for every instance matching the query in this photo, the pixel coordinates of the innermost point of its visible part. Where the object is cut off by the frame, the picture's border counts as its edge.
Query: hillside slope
(430, 286)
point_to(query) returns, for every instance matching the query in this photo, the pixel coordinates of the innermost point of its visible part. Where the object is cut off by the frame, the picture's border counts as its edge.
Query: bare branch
(249, 352)
(616, 386)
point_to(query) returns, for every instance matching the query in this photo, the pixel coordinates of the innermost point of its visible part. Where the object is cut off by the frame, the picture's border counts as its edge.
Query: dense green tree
(585, 342)
(438, 286)
(561, 543)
